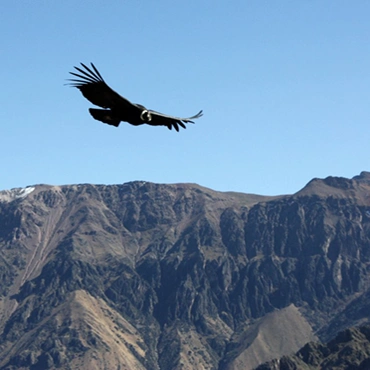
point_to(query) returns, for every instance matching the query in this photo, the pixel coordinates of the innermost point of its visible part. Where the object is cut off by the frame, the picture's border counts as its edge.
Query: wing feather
(96, 71)
(86, 79)
(87, 76)
(160, 119)
(94, 88)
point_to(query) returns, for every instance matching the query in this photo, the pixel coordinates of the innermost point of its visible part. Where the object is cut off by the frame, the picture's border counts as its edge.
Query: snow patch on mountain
(16, 193)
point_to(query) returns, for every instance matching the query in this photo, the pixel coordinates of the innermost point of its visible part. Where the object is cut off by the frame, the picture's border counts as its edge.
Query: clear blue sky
(284, 85)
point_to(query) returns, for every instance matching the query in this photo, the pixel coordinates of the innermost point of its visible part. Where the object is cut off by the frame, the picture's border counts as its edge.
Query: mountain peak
(16, 193)
(364, 176)
(171, 276)
(339, 187)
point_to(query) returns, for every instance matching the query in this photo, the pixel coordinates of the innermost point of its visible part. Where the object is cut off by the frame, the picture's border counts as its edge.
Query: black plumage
(117, 108)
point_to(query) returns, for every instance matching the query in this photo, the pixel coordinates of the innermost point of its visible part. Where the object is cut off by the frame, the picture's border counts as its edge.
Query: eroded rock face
(178, 273)
(350, 349)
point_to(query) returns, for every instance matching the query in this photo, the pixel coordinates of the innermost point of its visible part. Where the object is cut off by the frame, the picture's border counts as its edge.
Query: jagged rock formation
(148, 276)
(349, 350)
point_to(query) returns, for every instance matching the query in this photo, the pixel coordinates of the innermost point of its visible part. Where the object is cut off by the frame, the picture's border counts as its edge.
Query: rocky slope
(349, 350)
(149, 276)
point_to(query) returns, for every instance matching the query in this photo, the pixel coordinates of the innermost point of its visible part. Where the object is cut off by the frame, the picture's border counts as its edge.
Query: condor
(117, 108)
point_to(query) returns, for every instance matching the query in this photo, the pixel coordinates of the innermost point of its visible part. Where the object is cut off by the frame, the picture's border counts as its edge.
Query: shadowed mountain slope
(350, 349)
(152, 276)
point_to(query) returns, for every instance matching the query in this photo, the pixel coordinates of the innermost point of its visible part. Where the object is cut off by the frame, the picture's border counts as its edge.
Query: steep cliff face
(151, 276)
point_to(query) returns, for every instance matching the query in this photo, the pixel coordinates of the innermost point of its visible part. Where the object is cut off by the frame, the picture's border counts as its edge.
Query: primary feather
(116, 108)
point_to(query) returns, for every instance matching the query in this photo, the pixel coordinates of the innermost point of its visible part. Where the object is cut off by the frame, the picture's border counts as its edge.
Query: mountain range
(178, 276)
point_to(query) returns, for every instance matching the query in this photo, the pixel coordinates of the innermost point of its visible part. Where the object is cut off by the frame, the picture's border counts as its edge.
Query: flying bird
(116, 108)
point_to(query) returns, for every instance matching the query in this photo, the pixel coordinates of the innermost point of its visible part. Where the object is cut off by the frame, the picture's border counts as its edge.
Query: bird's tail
(105, 116)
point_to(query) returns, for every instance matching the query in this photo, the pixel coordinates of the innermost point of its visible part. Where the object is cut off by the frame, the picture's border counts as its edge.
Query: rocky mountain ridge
(152, 276)
(350, 349)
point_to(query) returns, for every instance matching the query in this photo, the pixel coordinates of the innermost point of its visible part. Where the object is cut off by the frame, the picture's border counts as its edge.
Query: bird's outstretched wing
(160, 119)
(116, 107)
(93, 88)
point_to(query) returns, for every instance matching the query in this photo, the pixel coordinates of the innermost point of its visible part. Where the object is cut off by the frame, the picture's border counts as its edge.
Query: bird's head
(146, 116)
